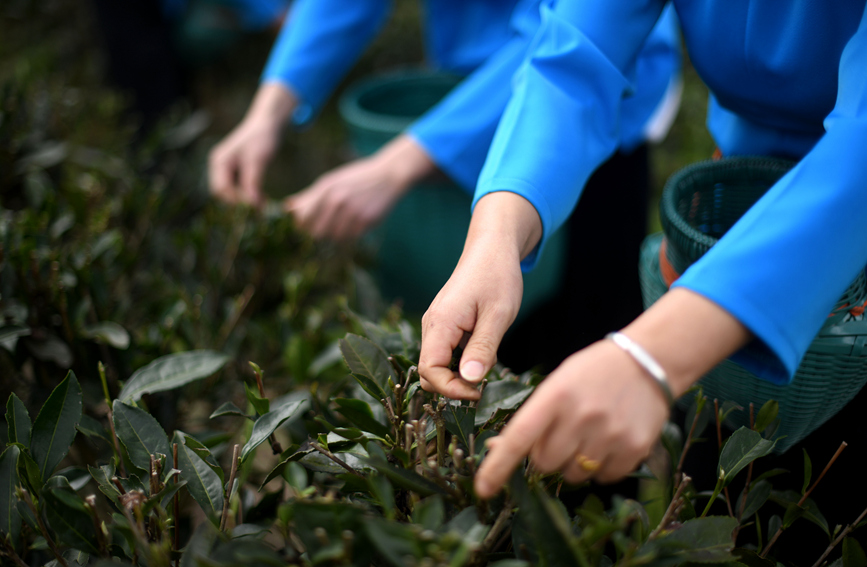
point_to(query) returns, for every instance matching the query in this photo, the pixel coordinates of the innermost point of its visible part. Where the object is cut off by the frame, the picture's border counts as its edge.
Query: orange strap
(669, 274)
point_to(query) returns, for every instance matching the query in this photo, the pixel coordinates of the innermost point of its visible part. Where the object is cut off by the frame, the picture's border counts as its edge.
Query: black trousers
(601, 291)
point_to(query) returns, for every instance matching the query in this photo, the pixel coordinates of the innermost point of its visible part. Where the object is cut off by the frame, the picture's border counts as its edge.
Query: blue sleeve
(319, 43)
(458, 132)
(783, 266)
(564, 117)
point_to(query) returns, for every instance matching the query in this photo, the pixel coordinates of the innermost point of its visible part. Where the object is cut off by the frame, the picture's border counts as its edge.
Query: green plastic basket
(418, 245)
(699, 204)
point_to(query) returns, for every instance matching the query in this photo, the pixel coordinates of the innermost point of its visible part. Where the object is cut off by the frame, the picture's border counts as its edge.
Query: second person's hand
(599, 413)
(348, 201)
(236, 166)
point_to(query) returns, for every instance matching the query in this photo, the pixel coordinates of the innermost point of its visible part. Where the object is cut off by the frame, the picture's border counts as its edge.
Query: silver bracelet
(643, 358)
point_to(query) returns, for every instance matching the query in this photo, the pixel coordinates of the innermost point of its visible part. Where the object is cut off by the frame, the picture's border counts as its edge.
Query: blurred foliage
(112, 251)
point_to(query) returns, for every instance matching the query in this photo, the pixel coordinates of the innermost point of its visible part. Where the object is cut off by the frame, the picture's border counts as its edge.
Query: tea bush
(374, 472)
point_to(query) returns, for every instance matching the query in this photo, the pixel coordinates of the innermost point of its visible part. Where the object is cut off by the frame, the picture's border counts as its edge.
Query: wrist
(687, 334)
(406, 161)
(506, 220)
(272, 105)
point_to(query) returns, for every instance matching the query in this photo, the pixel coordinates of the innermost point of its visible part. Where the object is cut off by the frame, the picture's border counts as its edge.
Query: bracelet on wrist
(646, 361)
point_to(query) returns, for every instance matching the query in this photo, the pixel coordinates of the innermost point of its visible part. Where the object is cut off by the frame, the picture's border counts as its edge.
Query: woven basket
(418, 245)
(699, 204)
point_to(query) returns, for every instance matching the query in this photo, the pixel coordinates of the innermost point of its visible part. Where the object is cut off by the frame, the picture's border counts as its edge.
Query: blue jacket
(487, 39)
(788, 77)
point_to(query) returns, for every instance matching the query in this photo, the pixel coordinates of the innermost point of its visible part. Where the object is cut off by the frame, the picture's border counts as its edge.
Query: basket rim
(669, 217)
(357, 116)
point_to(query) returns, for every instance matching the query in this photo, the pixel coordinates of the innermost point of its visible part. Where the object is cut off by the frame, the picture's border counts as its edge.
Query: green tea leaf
(808, 472)
(70, 521)
(50, 348)
(9, 335)
(672, 442)
(203, 483)
(93, 429)
(28, 471)
(200, 545)
(793, 512)
(404, 478)
(76, 477)
(172, 371)
(751, 558)
(767, 415)
(756, 498)
(291, 455)
(853, 554)
(54, 428)
(260, 405)
(810, 512)
(429, 513)
(459, 422)
(140, 433)
(702, 540)
(164, 497)
(768, 474)
(358, 412)
(10, 520)
(364, 357)
(742, 448)
(545, 524)
(108, 332)
(501, 394)
(18, 421)
(296, 476)
(382, 490)
(334, 517)
(102, 476)
(267, 424)
(774, 524)
(230, 409)
(370, 386)
(205, 454)
(317, 462)
(395, 542)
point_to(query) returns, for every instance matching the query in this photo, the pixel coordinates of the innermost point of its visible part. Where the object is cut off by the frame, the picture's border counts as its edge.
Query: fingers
(236, 166)
(221, 174)
(251, 183)
(480, 354)
(513, 444)
(438, 341)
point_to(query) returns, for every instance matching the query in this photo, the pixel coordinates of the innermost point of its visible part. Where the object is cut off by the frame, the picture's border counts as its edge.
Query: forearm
(688, 335)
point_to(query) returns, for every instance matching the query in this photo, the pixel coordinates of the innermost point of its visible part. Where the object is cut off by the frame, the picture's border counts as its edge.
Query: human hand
(595, 415)
(236, 166)
(481, 298)
(346, 202)
(599, 413)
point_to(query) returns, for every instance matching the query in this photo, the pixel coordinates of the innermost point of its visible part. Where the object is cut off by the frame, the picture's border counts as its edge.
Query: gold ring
(586, 463)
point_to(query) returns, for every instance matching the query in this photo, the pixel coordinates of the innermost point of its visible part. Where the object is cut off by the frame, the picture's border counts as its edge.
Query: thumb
(480, 354)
